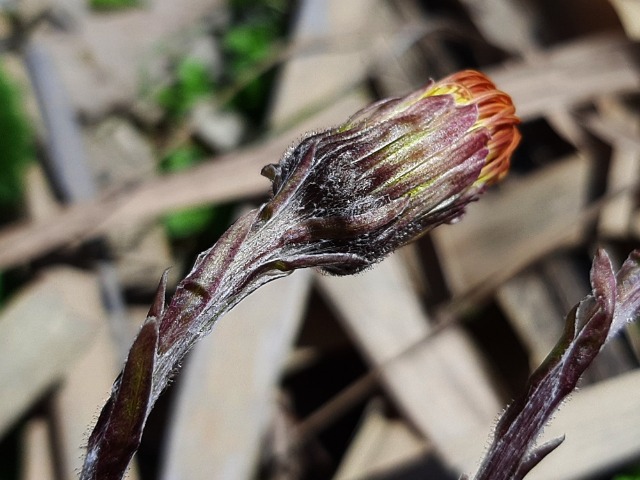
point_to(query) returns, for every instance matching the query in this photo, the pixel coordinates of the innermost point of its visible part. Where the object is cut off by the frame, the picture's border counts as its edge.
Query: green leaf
(107, 5)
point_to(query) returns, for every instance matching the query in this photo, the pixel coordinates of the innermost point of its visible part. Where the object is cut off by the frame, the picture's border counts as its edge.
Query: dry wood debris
(400, 369)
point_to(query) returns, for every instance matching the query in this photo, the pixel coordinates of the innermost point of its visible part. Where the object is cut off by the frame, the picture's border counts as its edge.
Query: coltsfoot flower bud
(393, 171)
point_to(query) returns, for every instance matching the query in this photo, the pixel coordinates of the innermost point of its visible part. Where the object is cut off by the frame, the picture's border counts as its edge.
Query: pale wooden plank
(382, 293)
(439, 383)
(99, 65)
(614, 131)
(400, 67)
(380, 445)
(42, 332)
(618, 126)
(227, 390)
(313, 78)
(513, 225)
(228, 178)
(526, 301)
(508, 25)
(37, 461)
(39, 200)
(629, 14)
(603, 65)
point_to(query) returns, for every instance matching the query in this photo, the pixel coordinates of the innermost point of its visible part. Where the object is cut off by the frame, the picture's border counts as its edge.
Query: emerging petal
(496, 112)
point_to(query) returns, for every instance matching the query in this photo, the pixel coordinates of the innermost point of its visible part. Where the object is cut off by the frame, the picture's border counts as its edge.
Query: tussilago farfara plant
(342, 200)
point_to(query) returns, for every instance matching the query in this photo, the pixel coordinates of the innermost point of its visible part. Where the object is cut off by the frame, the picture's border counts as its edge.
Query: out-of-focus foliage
(191, 221)
(193, 81)
(258, 26)
(108, 5)
(249, 39)
(16, 152)
(633, 474)
(16, 146)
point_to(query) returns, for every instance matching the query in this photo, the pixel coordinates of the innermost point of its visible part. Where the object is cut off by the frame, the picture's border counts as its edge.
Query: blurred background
(133, 133)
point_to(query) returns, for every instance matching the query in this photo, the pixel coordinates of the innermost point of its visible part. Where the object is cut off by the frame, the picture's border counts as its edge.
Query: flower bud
(391, 172)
